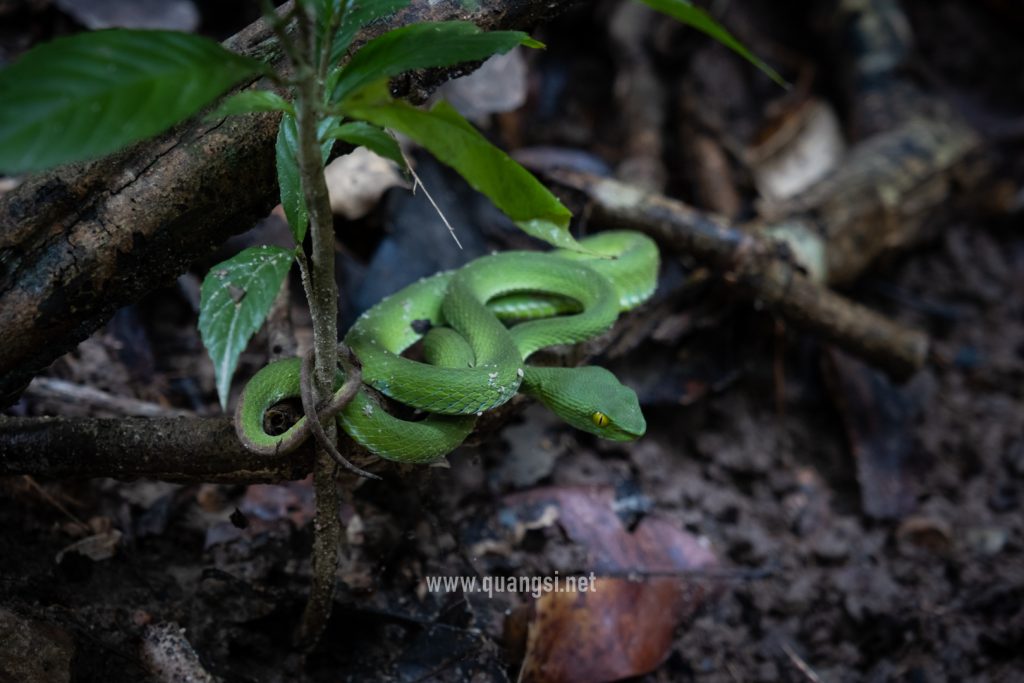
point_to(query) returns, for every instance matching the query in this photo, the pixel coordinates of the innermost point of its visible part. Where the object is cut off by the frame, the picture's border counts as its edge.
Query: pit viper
(474, 362)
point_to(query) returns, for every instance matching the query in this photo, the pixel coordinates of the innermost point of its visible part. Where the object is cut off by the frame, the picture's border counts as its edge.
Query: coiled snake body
(474, 362)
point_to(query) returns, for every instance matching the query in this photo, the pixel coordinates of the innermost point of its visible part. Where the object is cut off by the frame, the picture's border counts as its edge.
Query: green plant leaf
(249, 101)
(325, 9)
(91, 94)
(375, 139)
(359, 14)
(288, 177)
(685, 12)
(235, 299)
(422, 46)
(453, 140)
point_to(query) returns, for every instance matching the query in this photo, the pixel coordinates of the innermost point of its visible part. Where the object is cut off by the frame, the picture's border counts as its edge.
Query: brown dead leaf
(589, 518)
(622, 628)
(617, 627)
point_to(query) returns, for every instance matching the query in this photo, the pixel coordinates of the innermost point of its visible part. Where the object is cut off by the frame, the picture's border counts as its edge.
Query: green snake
(475, 363)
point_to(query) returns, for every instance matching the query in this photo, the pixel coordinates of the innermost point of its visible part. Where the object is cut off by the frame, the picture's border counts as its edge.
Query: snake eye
(600, 419)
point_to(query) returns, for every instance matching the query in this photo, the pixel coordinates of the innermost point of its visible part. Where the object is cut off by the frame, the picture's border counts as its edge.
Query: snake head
(589, 398)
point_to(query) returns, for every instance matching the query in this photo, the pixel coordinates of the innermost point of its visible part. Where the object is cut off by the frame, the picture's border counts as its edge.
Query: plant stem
(322, 292)
(323, 299)
(326, 540)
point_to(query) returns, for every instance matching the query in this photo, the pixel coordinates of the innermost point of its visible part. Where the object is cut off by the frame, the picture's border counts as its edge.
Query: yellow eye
(600, 419)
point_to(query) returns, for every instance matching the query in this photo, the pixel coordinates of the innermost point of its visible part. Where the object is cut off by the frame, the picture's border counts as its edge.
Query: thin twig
(304, 274)
(344, 396)
(280, 333)
(34, 485)
(800, 664)
(419, 183)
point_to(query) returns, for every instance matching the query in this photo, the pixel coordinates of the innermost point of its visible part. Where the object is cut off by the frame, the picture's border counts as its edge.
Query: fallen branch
(760, 267)
(79, 242)
(183, 449)
(875, 203)
(170, 449)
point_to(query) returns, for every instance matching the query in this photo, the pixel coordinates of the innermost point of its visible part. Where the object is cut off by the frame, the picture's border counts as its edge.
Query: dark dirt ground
(748, 452)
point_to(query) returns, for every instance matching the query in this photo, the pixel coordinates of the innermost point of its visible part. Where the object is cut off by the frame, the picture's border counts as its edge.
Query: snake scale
(473, 361)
